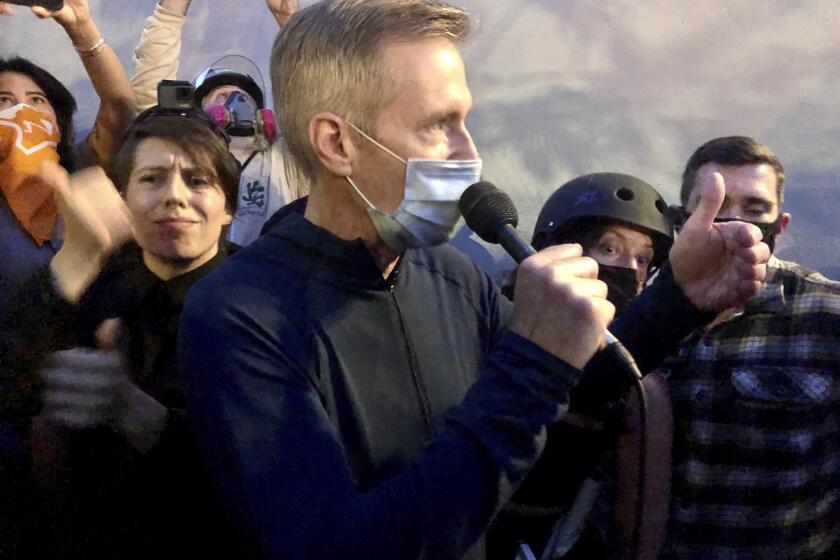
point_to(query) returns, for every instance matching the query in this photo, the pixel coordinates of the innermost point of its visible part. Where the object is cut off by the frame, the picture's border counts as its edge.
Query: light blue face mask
(428, 213)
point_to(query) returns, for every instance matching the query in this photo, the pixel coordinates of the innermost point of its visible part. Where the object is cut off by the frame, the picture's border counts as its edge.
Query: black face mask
(621, 285)
(769, 230)
(241, 114)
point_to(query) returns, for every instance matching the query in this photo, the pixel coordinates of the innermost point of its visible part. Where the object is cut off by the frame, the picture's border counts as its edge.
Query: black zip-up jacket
(344, 415)
(108, 500)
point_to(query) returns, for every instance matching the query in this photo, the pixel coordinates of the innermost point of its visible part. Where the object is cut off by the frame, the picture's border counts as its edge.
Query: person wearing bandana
(36, 125)
(624, 224)
(756, 466)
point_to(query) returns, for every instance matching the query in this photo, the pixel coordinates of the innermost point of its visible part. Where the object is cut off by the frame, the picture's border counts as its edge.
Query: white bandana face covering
(428, 213)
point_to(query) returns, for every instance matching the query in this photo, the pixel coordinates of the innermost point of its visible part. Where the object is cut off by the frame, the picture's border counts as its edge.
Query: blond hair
(327, 59)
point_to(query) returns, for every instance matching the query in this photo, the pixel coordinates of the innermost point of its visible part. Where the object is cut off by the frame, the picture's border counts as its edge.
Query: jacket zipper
(422, 397)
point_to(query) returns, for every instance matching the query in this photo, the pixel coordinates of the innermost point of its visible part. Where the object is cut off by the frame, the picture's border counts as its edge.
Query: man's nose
(462, 145)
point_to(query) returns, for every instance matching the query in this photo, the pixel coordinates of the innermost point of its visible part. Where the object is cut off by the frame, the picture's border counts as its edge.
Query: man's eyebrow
(757, 200)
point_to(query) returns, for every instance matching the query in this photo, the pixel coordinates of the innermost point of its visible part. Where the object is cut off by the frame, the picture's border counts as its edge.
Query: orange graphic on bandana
(27, 139)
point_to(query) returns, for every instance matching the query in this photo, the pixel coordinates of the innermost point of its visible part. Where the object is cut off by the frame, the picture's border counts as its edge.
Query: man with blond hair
(359, 388)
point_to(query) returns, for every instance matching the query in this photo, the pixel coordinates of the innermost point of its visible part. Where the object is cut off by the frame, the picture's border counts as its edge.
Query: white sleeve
(156, 56)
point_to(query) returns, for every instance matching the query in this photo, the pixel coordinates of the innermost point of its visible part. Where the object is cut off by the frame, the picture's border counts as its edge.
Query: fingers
(567, 258)
(85, 360)
(41, 12)
(82, 387)
(107, 334)
(739, 234)
(560, 304)
(712, 192)
(557, 252)
(744, 243)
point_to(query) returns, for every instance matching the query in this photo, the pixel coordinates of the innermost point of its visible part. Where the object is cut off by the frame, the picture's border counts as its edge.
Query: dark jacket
(344, 415)
(100, 497)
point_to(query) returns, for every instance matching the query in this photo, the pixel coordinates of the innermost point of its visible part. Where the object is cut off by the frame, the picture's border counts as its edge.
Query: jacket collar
(127, 267)
(327, 256)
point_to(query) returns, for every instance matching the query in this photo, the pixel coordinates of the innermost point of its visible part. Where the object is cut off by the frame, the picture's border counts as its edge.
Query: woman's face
(19, 88)
(625, 247)
(178, 208)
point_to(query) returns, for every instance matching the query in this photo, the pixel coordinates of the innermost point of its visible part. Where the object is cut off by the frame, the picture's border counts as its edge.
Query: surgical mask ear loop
(389, 152)
(358, 192)
(386, 150)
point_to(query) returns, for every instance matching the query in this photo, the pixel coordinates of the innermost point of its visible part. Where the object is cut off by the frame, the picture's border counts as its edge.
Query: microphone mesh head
(486, 208)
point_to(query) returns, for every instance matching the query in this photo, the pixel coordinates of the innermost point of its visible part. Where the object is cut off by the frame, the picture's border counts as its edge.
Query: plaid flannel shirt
(756, 471)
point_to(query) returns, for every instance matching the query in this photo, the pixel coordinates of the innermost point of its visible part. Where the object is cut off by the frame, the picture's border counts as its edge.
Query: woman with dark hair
(36, 125)
(112, 456)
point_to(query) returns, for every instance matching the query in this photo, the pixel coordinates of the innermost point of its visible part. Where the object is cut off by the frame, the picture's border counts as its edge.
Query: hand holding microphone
(559, 303)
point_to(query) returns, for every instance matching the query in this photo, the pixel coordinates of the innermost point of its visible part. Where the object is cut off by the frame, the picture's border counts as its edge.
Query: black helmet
(603, 198)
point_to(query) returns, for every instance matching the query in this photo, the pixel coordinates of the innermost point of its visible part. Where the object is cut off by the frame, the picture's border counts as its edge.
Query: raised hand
(560, 304)
(96, 222)
(718, 265)
(73, 13)
(282, 9)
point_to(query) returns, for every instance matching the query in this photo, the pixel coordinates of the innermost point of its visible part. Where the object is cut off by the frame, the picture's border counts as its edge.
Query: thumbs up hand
(86, 388)
(718, 265)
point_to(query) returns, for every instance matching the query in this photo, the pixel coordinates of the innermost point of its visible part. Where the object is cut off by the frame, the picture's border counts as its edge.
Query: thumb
(712, 192)
(42, 13)
(107, 334)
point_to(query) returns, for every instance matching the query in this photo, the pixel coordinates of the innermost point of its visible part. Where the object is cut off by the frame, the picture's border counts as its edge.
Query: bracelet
(94, 50)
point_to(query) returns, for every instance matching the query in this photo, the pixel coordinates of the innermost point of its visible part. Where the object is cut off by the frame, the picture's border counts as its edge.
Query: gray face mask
(428, 213)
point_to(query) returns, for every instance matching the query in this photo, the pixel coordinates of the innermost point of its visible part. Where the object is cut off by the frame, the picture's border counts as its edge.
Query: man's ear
(329, 137)
(785, 222)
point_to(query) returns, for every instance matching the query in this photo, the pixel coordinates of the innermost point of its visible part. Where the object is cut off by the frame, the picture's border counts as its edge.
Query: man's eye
(606, 248)
(199, 181)
(6, 99)
(37, 100)
(148, 178)
(643, 260)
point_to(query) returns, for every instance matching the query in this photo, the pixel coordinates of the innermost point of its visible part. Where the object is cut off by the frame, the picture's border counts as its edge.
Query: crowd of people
(231, 327)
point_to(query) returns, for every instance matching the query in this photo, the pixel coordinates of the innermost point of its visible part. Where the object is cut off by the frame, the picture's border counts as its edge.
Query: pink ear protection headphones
(226, 119)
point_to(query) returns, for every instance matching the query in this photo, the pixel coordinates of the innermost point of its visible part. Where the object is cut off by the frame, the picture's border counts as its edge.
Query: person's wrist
(178, 6)
(74, 267)
(84, 34)
(139, 418)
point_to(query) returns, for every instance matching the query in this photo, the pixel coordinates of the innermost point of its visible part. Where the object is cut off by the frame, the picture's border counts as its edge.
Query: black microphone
(490, 213)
